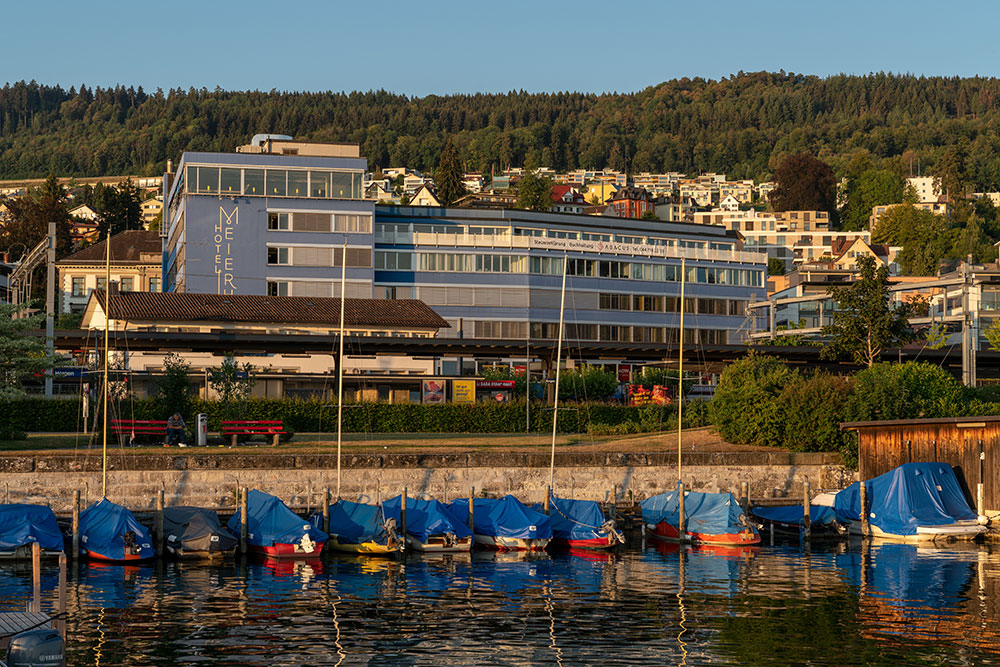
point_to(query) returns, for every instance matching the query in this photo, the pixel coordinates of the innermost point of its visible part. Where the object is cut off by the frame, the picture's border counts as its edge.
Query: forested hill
(741, 125)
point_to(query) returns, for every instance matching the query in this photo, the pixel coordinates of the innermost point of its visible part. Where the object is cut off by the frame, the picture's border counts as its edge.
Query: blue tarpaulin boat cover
(425, 518)
(104, 528)
(24, 524)
(505, 517)
(354, 523)
(271, 522)
(706, 513)
(792, 514)
(912, 495)
(575, 519)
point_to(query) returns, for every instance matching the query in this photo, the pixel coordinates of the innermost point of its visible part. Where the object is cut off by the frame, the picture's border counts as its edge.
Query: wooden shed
(970, 444)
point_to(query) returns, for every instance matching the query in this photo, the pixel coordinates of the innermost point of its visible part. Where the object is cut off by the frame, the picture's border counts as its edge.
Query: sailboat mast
(680, 373)
(107, 330)
(340, 361)
(555, 405)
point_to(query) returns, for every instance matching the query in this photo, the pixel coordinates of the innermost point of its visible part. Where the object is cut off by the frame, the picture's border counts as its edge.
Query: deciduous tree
(805, 183)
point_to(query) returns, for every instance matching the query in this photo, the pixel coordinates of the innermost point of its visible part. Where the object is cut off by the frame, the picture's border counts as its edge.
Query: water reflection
(835, 603)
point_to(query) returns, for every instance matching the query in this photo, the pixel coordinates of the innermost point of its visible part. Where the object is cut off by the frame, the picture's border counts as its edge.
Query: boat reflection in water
(667, 603)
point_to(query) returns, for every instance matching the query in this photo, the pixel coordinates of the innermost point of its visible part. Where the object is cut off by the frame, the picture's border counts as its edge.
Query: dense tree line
(742, 125)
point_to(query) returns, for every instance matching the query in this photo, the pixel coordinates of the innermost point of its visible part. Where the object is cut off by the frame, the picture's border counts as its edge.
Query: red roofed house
(847, 251)
(567, 199)
(629, 202)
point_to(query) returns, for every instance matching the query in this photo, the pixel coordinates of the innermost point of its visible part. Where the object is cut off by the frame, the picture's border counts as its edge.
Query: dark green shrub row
(309, 416)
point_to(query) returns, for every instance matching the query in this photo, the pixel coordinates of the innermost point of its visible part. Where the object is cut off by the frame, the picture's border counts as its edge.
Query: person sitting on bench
(175, 430)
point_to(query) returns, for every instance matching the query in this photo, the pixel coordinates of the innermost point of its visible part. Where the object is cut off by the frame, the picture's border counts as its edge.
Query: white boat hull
(958, 531)
(439, 545)
(510, 543)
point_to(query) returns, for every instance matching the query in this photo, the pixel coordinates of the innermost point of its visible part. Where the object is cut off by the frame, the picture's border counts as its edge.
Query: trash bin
(201, 435)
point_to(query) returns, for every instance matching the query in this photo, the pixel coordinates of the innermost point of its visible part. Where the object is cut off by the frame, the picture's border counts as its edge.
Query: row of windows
(475, 230)
(325, 256)
(318, 222)
(125, 284)
(591, 268)
(670, 304)
(627, 334)
(316, 184)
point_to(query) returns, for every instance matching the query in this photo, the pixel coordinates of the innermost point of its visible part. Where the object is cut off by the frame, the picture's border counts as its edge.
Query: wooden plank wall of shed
(885, 447)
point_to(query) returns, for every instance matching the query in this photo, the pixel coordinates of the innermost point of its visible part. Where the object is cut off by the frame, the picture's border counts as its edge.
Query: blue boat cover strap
(793, 514)
(22, 524)
(111, 530)
(271, 522)
(912, 495)
(426, 517)
(707, 513)
(504, 517)
(354, 523)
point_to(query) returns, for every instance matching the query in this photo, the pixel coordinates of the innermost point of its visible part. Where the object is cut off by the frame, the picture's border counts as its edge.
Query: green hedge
(311, 416)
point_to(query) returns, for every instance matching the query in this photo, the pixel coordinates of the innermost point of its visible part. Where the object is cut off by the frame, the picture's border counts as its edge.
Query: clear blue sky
(434, 47)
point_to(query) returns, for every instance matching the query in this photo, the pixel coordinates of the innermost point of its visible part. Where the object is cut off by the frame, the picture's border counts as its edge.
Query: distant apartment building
(658, 184)
(151, 209)
(629, 202)
(937, 208)
(927, 189)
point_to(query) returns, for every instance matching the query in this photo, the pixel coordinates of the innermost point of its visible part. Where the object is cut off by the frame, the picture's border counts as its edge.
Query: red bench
(253, 427)
(134, 427)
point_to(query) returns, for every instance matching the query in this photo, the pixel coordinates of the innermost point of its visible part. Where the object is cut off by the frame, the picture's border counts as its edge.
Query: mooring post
(680, 512)
(548, 499)
(865, 528)
(244, 522)
(36, 577)
(76, 525)
(402, 514)
(745, 496)
(326, 511)
(62, 595)
(160, 538)
(472, 508)
(806, 518)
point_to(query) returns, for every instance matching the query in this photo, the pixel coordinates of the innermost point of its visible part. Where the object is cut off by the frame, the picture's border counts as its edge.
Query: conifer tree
(449, 176)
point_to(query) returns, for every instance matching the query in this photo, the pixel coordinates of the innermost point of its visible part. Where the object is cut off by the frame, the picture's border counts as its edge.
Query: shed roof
(967, 421)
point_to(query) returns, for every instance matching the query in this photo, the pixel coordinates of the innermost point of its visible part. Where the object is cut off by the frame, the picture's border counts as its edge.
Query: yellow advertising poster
(463, 391)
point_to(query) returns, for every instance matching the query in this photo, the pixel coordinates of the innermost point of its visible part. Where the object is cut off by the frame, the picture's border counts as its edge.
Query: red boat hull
(130, 558)
(606, 542)
(281, 550)
(666, 531)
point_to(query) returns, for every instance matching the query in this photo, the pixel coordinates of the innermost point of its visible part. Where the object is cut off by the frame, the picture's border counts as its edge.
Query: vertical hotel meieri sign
(224, 261)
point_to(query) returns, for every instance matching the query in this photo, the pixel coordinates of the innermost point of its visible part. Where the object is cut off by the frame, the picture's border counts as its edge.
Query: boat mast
(680, 373)
(340, 361)
(555, 405)
(107, 329)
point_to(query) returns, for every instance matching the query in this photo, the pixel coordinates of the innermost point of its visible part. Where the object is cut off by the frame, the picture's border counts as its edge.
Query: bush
(747, 405)
(911, 390)
(814, 407)
(587, 383)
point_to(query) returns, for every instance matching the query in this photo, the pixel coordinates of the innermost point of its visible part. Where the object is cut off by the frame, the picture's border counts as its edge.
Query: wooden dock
(11, 623)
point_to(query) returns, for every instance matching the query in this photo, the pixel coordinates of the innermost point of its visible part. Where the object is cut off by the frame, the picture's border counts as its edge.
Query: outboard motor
(41, 647)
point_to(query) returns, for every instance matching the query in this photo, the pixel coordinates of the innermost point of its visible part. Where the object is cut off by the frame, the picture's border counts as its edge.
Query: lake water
(832, 604)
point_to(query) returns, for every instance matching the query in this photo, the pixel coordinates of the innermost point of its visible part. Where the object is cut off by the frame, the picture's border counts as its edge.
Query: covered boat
(430, 525)
(360, 528)
(111, 533)
(22, 525)
(580, 524)
(916, 502)
(196, 533)
(710, 518)
(276, 531)
(790, 519)
(505, 523)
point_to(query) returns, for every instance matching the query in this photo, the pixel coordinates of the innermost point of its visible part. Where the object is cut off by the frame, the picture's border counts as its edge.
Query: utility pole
(50, 299)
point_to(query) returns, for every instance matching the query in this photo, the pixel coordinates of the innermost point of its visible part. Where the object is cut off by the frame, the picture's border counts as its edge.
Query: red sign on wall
(624, 373)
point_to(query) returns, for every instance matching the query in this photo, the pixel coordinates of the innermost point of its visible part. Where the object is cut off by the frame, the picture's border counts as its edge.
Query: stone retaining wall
(211, 480)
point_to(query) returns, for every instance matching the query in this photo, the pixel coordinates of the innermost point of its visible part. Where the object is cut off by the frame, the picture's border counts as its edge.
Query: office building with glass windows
(267, 223)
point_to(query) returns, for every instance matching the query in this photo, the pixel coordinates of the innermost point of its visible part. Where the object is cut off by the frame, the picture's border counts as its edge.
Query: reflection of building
(249, 315)
(136, 265)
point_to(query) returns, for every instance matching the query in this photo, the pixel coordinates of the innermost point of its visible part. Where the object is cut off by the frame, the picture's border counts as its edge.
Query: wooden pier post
(76, 524)
(472, 508)
(244, 522)
(745, 496)
(806, 518)
(546, 506)
(326, 511)
(865, 528)
(402, 515)
(680, 513)
(61, 623)
(160, 539)
(36, 577)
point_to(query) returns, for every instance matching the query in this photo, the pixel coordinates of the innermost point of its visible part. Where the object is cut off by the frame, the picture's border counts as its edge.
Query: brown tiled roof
(190, 307)
(126, 248)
